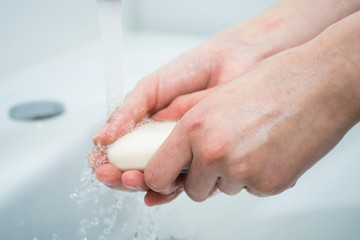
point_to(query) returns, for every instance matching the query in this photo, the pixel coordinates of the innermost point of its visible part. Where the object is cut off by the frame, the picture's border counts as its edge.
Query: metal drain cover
(36, 110)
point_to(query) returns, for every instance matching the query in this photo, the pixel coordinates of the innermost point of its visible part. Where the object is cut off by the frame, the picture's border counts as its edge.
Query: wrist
(346, 41)
(288, 24)
(338, 52)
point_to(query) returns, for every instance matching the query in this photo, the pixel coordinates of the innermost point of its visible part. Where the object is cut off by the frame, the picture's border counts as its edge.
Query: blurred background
(31, 31)
(52, 50)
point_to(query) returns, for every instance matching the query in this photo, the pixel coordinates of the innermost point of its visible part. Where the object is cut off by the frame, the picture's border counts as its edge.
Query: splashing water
(113, 213)
(90, 191)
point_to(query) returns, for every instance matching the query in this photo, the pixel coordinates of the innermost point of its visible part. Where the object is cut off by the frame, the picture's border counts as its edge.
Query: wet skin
(247, 120)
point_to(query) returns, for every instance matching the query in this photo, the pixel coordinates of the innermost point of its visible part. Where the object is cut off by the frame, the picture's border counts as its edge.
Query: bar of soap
(134, 150)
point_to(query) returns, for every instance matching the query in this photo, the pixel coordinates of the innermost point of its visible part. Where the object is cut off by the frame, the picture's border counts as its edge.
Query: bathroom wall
(199, 16)
(32, 31)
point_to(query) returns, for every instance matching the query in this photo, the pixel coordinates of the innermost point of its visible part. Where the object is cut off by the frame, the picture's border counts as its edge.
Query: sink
(42, 162)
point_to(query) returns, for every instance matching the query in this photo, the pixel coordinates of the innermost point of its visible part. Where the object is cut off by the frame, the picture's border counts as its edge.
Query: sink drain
(36, 110)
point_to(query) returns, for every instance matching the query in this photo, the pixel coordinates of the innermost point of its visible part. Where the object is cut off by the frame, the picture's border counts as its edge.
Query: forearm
(345, 37)
(290, 23)
(337, 52)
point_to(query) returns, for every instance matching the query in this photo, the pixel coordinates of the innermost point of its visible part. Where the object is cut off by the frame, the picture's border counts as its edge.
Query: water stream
(139, 222)
(109, 12)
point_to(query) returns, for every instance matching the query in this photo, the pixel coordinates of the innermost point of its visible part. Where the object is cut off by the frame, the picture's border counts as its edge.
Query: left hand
(171, 91)
(263, 134)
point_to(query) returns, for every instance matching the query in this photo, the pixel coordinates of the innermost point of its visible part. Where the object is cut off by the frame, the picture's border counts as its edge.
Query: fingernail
(132, 188)
(109, 184)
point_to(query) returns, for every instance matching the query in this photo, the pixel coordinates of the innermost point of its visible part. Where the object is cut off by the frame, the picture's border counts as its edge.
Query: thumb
(162, 171)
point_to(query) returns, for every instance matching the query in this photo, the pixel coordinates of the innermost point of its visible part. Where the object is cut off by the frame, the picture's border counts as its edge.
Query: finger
(186, 74)
(168, 161)
(110, 176)
(200, 181)
(175, 186)
(134, 180)
(113, 178)
(153, 198)
(122, 121)
(180, 105)
(229, 187)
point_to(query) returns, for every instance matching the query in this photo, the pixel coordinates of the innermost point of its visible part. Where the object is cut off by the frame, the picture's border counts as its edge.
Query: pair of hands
(244, 122)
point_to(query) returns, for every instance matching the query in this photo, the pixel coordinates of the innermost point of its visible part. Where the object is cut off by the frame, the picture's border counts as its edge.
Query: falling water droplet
(95, 221)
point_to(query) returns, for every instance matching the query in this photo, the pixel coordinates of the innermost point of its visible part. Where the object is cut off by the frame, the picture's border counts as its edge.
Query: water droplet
(119, 205)
(74, 195)
(95, 221)
(107, 231)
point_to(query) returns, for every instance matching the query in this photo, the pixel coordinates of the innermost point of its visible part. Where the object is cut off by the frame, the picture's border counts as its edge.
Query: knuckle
(194, 123)
(228, 186)
(227, 190)
(216, 150)
(211, 153)
(243, 169)
(269, 188)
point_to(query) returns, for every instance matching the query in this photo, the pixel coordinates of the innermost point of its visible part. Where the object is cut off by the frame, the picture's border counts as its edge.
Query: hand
(166, 95)
(263, 134)
(172, 90)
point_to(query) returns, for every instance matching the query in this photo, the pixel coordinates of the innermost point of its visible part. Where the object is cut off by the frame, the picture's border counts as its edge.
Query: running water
(107, 204)
(109, 12)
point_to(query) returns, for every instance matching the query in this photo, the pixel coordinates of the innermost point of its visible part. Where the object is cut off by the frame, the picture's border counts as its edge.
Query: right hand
(167, 94)
(170, 91)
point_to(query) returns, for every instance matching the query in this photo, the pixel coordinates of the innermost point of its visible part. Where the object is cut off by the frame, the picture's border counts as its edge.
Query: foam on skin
(134, 150)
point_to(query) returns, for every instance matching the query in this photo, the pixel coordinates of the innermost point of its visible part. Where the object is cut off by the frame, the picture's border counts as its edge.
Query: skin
(273, 128)
(256, 102)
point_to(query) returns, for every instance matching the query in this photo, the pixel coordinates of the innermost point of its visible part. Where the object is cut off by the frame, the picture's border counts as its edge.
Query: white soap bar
(134, 150)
